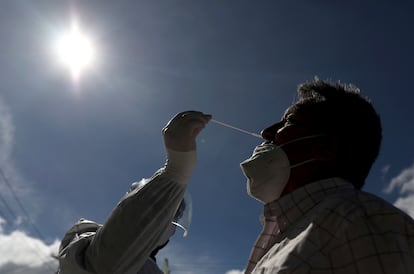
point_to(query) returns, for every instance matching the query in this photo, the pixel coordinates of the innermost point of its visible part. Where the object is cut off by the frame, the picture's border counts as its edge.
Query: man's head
(349, 125)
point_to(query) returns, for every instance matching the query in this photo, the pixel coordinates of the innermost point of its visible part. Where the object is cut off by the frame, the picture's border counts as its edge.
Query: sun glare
(75, 51)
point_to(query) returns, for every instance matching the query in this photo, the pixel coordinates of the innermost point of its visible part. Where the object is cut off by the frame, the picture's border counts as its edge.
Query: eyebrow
(288, 111)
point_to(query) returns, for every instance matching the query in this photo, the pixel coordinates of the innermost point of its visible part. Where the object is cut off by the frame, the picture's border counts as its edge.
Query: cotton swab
(236, 128)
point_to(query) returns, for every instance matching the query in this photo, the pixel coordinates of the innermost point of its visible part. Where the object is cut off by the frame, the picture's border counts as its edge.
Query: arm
(133, 228)
(131, 233)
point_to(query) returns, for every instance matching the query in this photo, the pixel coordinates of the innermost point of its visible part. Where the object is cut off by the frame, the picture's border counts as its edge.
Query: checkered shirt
(330, 227)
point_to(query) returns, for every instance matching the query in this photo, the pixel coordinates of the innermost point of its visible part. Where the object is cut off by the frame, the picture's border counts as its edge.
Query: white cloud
(7, 133)
(404, 184)
(384, 171)
(235, 271)
(2, 222)
(21, 203)
(184, 260)
(406, 204)
(21, 253)
(6, 142)
(7, 167)
(404, 181)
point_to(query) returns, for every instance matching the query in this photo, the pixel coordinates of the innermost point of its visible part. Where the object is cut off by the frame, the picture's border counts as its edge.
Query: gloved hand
(180, 142)
(181, 131)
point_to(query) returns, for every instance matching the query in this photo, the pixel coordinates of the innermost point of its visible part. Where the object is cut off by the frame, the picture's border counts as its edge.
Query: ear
(327, 149)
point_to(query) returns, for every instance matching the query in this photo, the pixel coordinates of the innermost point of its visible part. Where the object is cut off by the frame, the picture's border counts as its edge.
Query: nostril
(267, 135)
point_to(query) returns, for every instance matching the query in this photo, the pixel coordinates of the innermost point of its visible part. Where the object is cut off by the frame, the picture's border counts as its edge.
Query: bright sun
(75, 50)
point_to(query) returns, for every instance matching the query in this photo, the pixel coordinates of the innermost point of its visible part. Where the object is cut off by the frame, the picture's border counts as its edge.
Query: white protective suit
(135, 227)
(123, 244)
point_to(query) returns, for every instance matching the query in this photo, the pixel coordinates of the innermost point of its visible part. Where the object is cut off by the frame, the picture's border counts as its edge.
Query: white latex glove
(180, 142)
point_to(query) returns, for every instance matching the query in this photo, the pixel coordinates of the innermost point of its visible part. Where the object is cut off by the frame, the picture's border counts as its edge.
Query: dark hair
(340, 110)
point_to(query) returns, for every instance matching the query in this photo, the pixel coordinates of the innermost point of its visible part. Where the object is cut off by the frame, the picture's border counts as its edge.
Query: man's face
(293, 125)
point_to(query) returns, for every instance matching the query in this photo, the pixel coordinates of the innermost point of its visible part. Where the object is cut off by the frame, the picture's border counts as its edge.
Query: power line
(6, 205)
(19, 268)
(30, 221)
(23, 209)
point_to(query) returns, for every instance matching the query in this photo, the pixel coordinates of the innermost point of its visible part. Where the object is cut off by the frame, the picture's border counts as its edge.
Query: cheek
(288, 133)
(299, 152)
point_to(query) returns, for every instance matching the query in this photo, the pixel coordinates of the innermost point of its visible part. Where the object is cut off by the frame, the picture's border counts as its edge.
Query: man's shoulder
(355, 205)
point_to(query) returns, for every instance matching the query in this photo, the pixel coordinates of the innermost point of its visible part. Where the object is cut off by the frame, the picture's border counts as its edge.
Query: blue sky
(72, 150)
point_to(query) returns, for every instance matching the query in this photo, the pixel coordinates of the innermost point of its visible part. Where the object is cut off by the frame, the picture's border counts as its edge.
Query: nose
(269, 133)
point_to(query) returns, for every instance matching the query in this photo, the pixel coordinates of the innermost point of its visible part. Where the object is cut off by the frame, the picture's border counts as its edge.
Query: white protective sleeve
(124, 242)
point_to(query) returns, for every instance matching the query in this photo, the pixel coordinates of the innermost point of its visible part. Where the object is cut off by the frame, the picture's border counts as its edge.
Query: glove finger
(183, 118)
(180, 133)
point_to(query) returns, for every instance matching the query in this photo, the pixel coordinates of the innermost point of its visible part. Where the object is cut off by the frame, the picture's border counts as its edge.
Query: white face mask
(268, 171)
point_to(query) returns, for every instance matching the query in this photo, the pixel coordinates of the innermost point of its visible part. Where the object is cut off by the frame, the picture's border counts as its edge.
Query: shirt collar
(293, 206)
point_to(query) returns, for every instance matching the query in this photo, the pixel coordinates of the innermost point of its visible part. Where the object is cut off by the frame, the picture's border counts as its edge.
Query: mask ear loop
(300, 139)
(302, 163)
